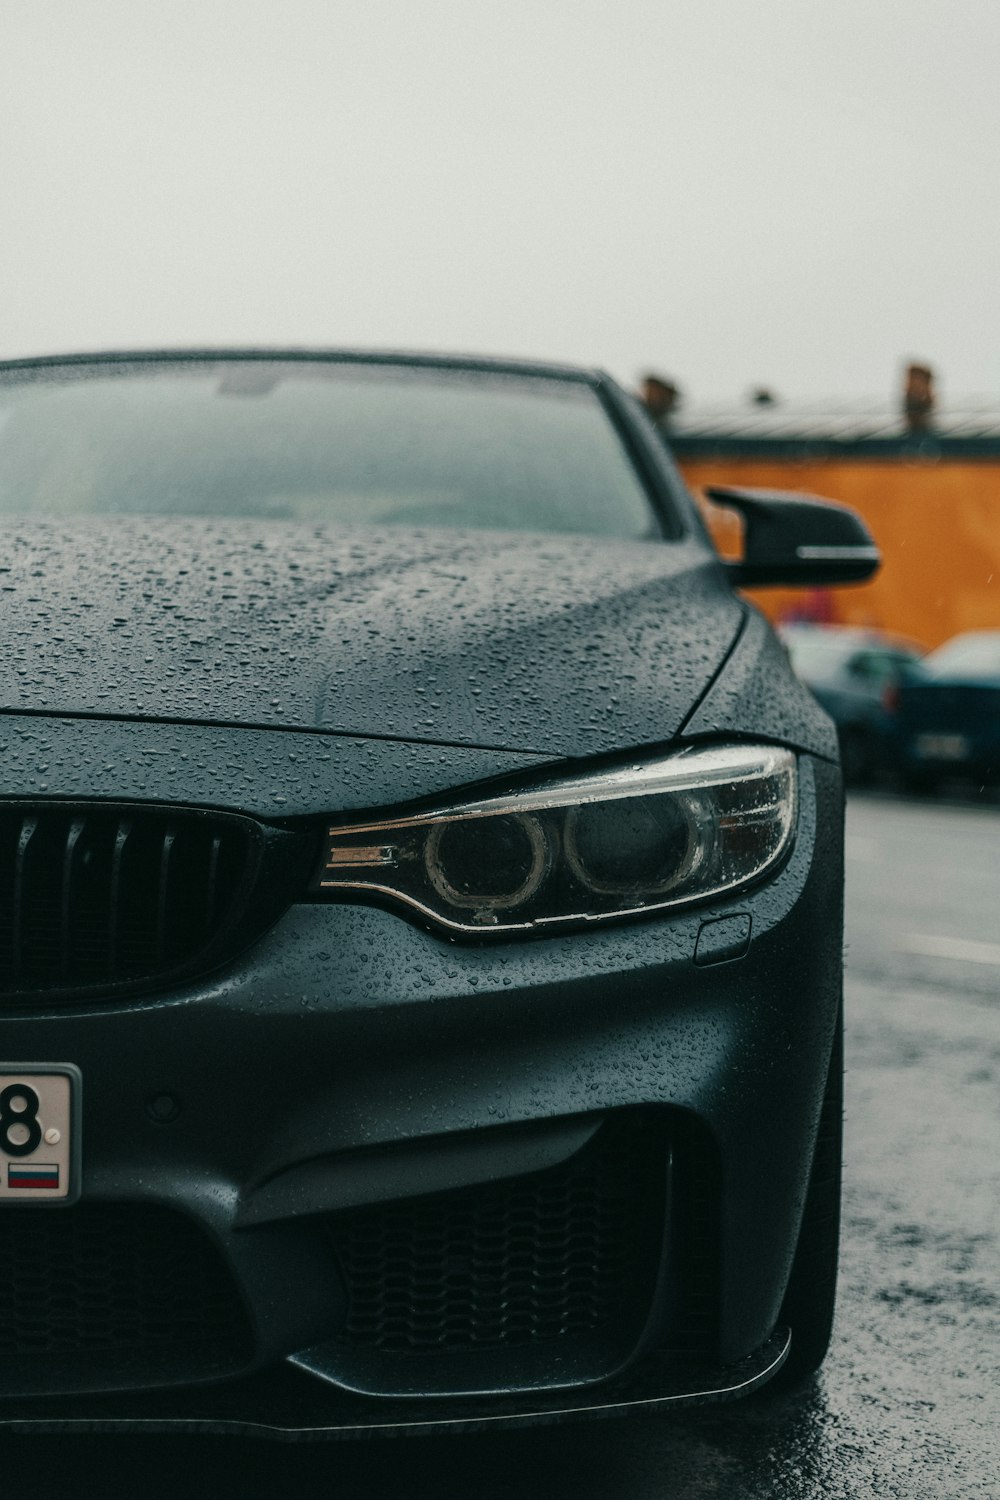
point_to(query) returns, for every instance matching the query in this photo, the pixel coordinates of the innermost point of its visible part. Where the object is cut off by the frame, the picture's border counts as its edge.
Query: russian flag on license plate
(32, 1177)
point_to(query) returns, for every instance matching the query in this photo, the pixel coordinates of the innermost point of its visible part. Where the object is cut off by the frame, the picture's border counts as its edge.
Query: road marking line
(864, 850)
(949, 947)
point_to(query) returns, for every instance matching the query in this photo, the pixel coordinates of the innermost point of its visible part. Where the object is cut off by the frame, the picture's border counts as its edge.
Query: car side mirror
(797, 539)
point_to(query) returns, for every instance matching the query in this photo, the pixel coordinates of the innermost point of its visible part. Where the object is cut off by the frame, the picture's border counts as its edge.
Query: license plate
(39, 1133)
(942, 746)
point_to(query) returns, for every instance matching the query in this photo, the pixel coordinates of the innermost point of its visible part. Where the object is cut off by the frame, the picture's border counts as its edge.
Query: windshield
(814, 657)
(317, 441)
(976, 654)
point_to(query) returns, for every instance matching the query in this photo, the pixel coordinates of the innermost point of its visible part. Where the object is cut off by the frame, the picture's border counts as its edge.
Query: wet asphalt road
(908, 1403)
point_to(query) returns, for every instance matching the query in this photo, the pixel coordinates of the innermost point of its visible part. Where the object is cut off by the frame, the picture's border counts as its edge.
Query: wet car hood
(551, 645)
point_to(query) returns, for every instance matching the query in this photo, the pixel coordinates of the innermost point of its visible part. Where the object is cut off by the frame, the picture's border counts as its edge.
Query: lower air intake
(100, 1290)
(516, 1277)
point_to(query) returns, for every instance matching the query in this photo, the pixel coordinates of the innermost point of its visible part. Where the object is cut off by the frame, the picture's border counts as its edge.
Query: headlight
(634, 839)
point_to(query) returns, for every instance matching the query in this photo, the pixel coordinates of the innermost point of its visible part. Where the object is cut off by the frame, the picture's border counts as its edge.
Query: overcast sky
(788, 192)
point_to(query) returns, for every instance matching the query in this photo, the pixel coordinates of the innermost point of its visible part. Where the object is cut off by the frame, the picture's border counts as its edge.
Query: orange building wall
(937, 524)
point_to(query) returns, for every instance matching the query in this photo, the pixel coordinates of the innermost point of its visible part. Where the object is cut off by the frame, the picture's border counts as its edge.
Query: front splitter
(289, 1405)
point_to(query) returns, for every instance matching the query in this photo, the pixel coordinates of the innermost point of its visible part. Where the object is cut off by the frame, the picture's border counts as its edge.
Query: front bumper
(349, 1060)
(287, 1405)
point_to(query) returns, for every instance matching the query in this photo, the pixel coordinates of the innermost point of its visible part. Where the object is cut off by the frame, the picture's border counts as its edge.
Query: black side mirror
(798, 539)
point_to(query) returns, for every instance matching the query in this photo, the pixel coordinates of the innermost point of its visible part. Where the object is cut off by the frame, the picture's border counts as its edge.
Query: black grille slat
(94, 896)
(76, 828)
(212, 880)
(28, 827)
(163, 894)
(122, 834)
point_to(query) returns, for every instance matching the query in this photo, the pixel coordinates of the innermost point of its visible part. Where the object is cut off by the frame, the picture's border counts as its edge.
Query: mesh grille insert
(114, 1278)
(566, 1252)
(96, 895)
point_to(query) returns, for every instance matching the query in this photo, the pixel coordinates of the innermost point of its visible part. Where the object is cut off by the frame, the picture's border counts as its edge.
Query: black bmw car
(420, 904)
(948, 722)
(855, 676)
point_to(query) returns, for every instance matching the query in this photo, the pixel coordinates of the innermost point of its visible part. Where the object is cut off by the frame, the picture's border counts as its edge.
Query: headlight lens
(638, 838)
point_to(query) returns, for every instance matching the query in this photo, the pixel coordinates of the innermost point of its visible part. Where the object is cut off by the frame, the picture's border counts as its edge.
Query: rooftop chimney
(918, 397)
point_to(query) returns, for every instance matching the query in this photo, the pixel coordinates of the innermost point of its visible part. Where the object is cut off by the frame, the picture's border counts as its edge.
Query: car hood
(551, 645)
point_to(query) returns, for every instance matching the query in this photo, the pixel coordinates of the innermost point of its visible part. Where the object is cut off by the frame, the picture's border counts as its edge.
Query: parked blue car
(856, 676)
(948, 721)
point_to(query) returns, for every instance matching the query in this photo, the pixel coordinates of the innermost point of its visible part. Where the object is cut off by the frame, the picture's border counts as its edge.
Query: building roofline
(911, 447)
